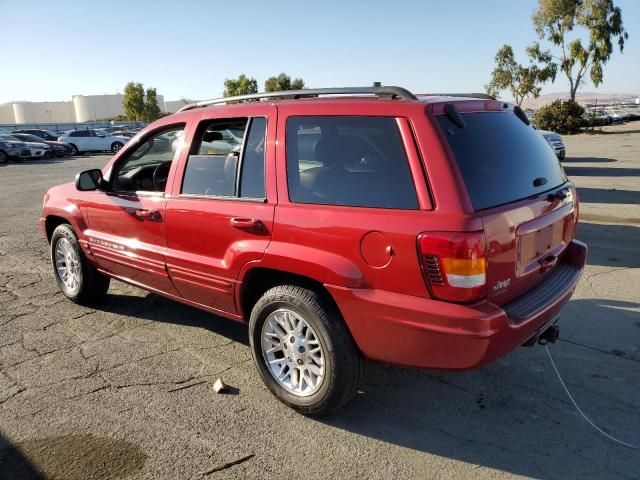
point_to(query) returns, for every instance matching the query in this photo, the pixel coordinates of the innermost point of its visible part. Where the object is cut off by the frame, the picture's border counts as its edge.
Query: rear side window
(350, 161)
(501, 159)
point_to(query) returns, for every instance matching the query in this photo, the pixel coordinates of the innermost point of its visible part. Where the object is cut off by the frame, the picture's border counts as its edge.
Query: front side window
(227, 159)
(146, 168)
(348, 160)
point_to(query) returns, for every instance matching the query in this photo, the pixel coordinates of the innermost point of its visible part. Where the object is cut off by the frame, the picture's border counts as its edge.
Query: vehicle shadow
(511, 415)
(13, 463)
(161, 309)
(580, 171)
(606, 195)
(589, 160)
(51, 160)
(617, 132)
(40, 161)
(611, 245)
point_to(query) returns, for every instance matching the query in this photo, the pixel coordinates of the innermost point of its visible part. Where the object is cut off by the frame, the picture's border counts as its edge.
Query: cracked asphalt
(125, 390)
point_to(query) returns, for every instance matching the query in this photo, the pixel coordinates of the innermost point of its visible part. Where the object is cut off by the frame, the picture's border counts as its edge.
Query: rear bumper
(426, 333)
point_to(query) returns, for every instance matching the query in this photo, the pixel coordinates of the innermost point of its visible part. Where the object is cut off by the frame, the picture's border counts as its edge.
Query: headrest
(211, 136)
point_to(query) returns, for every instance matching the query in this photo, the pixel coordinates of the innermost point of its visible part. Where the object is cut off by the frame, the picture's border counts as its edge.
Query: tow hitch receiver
(548, 335)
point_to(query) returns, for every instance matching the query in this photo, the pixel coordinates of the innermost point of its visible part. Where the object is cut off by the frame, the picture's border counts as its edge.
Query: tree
(240, 86)
(521, 80)
(283, 82)
(554, 20)
(561, 117)
(151, 108)
(133, 101)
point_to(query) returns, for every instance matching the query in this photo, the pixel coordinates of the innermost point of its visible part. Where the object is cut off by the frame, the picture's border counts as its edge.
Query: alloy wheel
(292, 352)
(67, 264)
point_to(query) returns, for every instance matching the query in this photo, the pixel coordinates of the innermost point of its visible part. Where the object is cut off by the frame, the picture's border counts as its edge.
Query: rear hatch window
(501, 159)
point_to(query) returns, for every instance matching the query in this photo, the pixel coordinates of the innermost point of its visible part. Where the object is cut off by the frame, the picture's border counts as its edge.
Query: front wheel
(303, 351)
(73, 150)
(115, 147)
(77, 278)
(4, 158)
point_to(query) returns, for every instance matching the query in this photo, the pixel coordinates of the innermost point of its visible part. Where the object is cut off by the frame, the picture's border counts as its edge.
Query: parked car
(47, 135)
(59, 149)
(124, 133)
(12, 149)
(633, 113)
(617, 115)
(555, 142)
(39, 149)
(597, 118)
(92, 141)
(379, 226)
(113, 129)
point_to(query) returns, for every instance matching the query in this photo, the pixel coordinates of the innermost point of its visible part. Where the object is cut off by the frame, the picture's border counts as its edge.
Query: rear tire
(4, 158)
(77, 278)
(74, 150)
(310, 339)
(116, 146)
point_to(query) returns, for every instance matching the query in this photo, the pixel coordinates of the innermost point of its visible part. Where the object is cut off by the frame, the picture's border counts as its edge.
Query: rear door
(357, 196)
(80, 138)
(220, 215)
(518, 188)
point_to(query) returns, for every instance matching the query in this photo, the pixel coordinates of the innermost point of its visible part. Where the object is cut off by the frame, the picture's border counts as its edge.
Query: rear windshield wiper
(538, 182)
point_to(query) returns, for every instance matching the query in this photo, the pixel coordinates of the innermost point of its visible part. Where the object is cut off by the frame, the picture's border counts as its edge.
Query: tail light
(454, 265)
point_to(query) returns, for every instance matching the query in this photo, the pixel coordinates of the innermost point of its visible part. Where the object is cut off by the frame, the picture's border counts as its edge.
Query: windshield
(28, 138)
(501, 159)
(9, 138)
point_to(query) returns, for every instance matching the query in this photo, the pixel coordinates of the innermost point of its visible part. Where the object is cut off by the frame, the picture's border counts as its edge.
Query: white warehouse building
(81, 108)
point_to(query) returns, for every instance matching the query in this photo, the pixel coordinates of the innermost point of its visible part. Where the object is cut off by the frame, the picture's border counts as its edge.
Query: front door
(99, 142)
(220, 214)
(127, 221)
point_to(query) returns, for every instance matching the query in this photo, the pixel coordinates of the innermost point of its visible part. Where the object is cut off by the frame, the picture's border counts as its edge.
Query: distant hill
(581, 97)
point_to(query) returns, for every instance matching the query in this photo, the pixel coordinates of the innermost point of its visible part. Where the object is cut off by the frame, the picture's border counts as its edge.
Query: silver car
(12, 148)
(555, 142)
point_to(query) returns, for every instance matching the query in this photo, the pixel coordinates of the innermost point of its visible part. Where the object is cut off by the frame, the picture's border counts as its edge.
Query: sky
(186, 49)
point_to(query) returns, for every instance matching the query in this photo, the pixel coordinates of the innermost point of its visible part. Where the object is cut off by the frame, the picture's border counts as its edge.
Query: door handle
(145, 214)
(251, 224)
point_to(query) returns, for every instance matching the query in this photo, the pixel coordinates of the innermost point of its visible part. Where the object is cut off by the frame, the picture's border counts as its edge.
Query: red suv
(431, 231)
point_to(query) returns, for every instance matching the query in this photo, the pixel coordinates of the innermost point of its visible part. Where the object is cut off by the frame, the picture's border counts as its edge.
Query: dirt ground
(124, 391)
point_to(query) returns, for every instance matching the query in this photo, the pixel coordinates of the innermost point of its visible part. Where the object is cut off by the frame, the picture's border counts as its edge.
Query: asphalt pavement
(125, 390)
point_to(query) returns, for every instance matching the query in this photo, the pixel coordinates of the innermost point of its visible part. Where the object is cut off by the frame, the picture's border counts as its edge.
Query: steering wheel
(160, 175)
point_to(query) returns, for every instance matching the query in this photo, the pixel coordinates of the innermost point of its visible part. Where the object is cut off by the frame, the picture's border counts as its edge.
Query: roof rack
(470, 95)
(380, 91)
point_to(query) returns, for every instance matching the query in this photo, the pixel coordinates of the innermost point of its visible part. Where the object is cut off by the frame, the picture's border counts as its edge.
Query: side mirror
(89, 180)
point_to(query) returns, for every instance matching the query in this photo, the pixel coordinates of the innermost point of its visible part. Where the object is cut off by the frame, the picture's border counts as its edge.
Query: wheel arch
(258, 280)
(52, 222)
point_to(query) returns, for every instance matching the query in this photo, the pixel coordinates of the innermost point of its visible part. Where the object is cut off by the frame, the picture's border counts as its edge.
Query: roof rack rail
(470, 95)
(380, 91)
